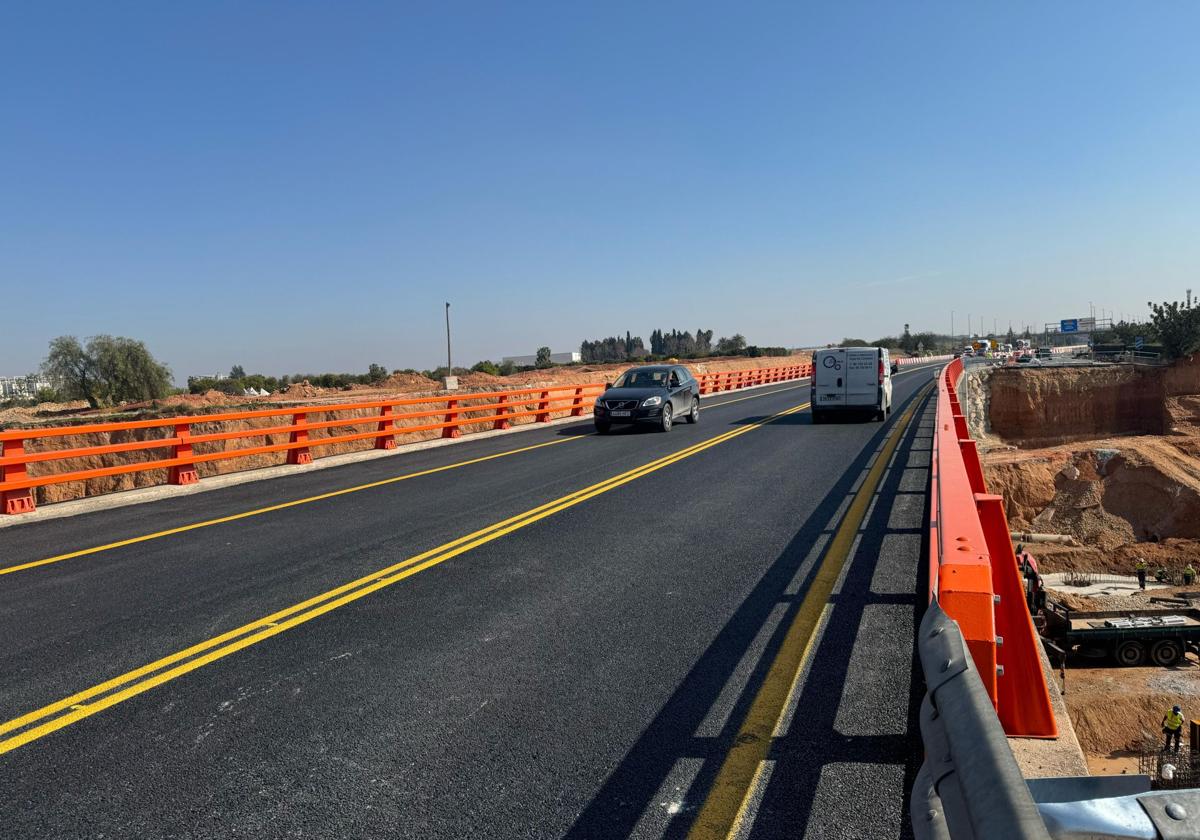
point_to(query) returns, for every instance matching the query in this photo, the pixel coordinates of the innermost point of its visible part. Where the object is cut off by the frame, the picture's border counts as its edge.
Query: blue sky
(299, 186)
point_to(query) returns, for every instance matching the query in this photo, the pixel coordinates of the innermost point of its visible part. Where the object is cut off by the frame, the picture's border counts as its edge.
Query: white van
(849, 379)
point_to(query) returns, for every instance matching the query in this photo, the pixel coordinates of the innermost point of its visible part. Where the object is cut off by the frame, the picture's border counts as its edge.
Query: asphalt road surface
(703, 633)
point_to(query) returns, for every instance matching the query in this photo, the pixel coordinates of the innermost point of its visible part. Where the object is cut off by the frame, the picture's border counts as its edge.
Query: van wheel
(817, 418)
(881, 414)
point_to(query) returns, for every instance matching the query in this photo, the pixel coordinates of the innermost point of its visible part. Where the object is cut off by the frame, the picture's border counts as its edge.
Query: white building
(22, 387)
(556, 358)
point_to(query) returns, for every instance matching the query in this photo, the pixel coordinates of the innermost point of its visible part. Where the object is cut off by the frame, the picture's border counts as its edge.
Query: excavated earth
(1108, 456)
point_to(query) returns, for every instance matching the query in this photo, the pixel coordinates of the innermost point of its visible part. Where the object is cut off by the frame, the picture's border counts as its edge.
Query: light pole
(451, 382)
(952, 323)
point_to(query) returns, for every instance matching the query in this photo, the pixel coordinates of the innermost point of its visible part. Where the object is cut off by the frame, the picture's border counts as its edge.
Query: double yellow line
(83, 704)
(727, 804)
(207, 523)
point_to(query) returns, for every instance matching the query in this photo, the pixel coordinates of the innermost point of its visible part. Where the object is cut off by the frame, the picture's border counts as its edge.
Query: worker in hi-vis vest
(1140, 568)
(1172, 726)
(1189, 575)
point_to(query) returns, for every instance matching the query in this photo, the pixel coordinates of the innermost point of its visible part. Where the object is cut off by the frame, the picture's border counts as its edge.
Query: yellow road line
(724, 809)
(71, 555)
(153, 674)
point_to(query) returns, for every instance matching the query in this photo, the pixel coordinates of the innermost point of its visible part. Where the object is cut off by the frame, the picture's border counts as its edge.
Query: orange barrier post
(1023, 684)
(543, 415)
(501, 409)
(300, 454)
(387, 423)
(184, 473)
(577, 404)
(451, 417)
(21, 500)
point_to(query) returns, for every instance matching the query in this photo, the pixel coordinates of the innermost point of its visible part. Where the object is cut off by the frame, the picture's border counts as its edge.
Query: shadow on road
(813, 743)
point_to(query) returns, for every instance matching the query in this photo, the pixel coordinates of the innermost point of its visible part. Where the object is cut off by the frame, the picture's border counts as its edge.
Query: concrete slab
(1101, 585)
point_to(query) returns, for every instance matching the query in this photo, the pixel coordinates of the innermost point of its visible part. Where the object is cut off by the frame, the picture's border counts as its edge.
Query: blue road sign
(1139, 343)
(1069, 325)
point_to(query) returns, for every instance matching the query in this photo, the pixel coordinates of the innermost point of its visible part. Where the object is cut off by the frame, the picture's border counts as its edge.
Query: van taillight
(881, 371)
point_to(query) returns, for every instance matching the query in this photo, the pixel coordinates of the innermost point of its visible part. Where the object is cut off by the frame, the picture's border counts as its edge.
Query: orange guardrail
(973, 572)
(731, 380)
(453, 413)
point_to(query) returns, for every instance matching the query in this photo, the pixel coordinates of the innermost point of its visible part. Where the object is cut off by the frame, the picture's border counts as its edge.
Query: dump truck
(1131, 637)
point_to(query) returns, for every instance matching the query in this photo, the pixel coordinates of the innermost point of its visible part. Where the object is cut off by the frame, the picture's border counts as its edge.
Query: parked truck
(1131, 637)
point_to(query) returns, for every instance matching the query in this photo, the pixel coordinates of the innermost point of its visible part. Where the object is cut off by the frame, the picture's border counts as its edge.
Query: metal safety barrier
(731, 380)
(174, 447)
(969, 786)
(973, 572)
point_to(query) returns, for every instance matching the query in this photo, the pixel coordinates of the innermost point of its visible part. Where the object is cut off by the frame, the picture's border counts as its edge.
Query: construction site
(1098, 469)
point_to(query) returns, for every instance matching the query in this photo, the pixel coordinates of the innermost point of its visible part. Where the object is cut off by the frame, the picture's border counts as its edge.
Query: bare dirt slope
(1122, 475)
(1119, 709)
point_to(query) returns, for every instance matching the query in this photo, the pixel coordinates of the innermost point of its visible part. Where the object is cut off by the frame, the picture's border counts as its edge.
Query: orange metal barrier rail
(731, 380)
(498, 408)
(973, 573)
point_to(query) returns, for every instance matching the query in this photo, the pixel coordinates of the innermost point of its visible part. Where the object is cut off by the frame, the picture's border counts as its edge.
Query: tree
(376, 373)
(73, 370)
(1178, 326)
(486, 366)
(543, 357)
(128, 370)
(237, 372)
(731, 346)
(107, 370)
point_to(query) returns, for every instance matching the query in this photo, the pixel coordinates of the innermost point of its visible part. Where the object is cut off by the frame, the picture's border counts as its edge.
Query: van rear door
(829, 378)
(862, 376)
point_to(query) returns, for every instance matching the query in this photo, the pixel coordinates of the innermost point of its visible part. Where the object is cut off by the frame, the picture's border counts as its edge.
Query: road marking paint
(148, 676)
(724, 807)
(58, 558)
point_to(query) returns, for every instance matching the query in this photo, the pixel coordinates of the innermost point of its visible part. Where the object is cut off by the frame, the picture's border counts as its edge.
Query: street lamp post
(451, 381)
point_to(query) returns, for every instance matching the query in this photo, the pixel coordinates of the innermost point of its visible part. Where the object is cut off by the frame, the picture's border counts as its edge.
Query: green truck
(1132, 637)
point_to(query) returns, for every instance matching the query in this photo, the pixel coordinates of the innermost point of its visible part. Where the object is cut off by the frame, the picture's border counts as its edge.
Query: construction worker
(1140, 568)
(1172, 727)
(1189, 575)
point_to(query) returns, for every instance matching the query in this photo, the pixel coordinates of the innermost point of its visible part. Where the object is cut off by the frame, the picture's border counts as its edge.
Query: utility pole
(952, 323)
(451, 381)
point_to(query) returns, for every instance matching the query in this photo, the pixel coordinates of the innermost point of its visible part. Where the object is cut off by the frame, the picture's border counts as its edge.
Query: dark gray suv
(655, 394)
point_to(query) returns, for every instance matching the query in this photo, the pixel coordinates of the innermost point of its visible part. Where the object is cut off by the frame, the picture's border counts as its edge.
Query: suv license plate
(621, 413)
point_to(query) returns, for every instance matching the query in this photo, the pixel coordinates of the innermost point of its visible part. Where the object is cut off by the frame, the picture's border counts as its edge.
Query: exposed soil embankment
(1123, 479)
(1107, 455)
(1119, 709)
(1035, 407)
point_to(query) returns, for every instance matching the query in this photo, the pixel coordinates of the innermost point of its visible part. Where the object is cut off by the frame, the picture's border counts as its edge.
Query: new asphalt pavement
(548, 634)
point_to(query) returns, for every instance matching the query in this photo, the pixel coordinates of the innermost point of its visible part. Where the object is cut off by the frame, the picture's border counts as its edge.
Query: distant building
(22, 387)
(556, 358)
